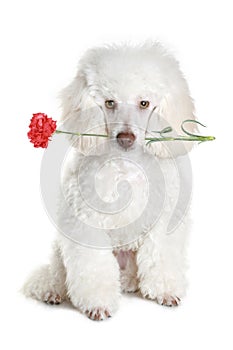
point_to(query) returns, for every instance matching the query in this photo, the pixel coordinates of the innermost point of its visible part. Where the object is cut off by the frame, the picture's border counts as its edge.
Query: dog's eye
(144, 104)
(110, 104)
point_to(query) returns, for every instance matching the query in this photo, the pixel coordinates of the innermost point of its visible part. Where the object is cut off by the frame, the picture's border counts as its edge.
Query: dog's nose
(125, 139)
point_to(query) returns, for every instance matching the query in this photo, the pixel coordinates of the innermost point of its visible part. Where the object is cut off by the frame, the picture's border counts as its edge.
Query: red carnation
(41, 128)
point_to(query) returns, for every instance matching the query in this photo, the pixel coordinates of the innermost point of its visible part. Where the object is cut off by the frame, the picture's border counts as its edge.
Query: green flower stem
(180, 138)
(190, 137)
(78, 133)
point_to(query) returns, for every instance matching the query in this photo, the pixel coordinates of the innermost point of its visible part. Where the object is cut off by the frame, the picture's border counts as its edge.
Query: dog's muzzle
(126, 139)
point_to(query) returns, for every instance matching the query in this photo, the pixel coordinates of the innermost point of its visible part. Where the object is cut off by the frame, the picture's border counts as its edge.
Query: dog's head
(128, 92)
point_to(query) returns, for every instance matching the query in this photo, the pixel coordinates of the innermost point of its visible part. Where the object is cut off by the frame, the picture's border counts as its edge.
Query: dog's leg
(93, 283)
(161, 267)
(128, 270)
(48, 282)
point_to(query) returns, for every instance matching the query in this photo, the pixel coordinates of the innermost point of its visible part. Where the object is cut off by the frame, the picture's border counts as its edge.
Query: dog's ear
(80, 113)
(72, 96)
(175, 107)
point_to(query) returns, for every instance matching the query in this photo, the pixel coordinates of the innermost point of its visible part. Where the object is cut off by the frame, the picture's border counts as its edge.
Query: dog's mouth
(126, 139)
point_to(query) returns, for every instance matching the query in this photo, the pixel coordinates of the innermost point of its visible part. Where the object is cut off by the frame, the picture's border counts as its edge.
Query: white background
(41, 42)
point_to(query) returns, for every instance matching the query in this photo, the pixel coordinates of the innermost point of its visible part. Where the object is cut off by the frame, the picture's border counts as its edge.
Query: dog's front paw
(98, 305)
(166, 292)
(168, 300)
(164, 288)
(98, 314)
(98, 308)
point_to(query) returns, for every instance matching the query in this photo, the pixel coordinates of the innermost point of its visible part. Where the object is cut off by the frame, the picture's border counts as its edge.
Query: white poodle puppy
(126, 92)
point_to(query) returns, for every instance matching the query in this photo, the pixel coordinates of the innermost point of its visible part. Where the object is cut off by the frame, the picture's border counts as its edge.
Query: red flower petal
(41, 128)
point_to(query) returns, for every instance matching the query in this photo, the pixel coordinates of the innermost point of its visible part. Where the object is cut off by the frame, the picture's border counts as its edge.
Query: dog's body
(116, 91)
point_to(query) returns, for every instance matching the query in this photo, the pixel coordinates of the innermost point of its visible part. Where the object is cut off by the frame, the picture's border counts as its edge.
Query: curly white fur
(92, 278)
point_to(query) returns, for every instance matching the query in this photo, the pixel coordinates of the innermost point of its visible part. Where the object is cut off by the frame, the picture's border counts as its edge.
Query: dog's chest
(117, 197)
(119, 179)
